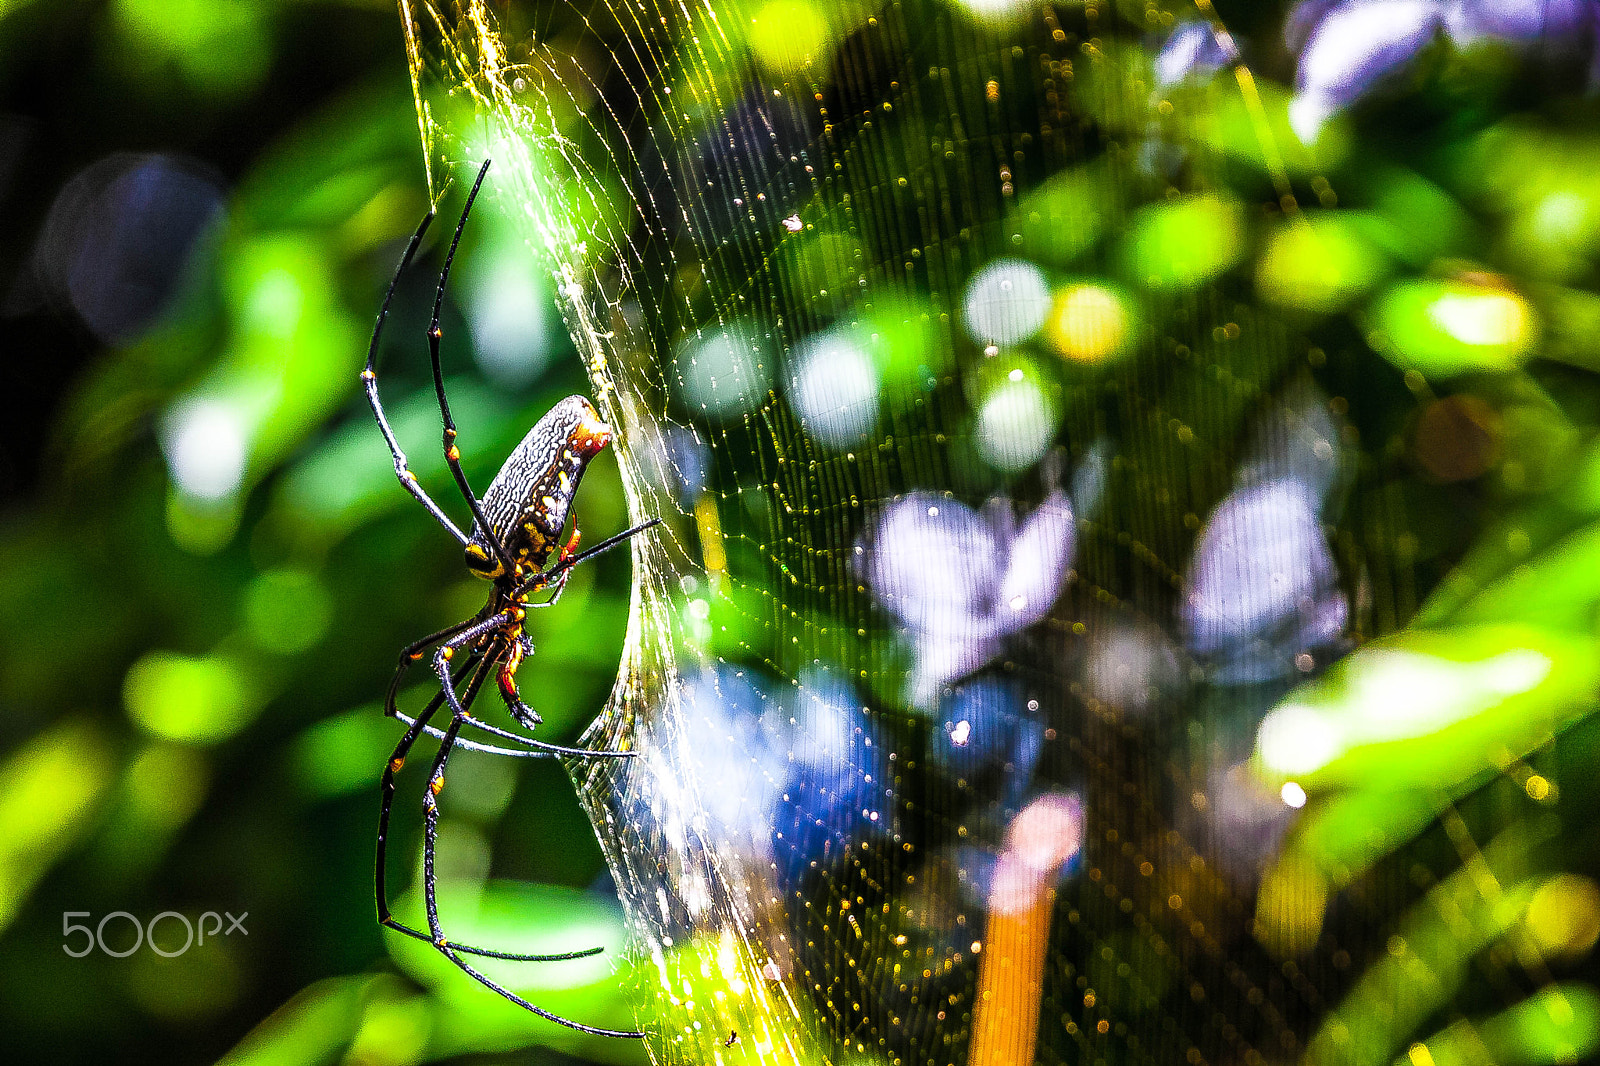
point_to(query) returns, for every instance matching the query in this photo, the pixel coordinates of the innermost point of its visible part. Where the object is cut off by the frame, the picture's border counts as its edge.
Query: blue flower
(989, 734)
(837, 790)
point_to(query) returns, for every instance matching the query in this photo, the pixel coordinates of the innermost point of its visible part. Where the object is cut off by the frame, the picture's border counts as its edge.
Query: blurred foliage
(191, 670)
(206, 568)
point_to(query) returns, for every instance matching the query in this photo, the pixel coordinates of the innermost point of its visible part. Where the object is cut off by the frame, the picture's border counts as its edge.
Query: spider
(517, 526)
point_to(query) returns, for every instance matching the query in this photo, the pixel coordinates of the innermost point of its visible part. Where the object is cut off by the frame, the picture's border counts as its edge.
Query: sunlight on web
(997, 515)
(777, 328)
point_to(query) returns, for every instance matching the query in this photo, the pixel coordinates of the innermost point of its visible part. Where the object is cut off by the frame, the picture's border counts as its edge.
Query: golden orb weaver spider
(517, 525)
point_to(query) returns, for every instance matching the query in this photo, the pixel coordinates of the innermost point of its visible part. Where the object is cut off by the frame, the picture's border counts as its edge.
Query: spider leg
(522, 713)
(570, 548)
(430, 803)
(525, 716)
(529, 718)
(369, 381)
(535, 749)
(449, 953)
(396, 761)
(556, 576)
(565, 561)
(452, 454)
(412, 652)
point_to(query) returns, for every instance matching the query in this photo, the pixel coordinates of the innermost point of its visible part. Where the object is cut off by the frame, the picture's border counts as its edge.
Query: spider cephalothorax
(517, 525)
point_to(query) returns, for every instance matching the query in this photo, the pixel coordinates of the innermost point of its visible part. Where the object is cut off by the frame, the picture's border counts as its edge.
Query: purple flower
(1262, 587)
(1348, 48)
(1558, 22)
(1192, 51)
(1303, 18)
(1355, 47)
(961, 582)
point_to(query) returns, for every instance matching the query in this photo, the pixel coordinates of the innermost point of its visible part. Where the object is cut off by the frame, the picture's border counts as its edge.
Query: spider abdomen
(528, 501)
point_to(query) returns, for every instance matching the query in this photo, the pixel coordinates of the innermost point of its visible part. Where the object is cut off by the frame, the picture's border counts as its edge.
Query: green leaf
(1444, 328)
(1429, 709)
(1557, 1024)
(309, 1030)
(1431, 951)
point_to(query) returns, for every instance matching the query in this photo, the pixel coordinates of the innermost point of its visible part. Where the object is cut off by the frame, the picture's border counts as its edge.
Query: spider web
(942, 728)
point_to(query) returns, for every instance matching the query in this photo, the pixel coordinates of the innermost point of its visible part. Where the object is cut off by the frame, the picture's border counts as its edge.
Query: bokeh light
(217, 46)
(1006, 302)
(834, 389)
(179, 697)
(1455, 327)
(996, 11)
(1181, 244)
(287, 611)
(207, 446)
(1015, 424)
(1321, 264)
(726, 372)
(1457, 438)
(789, 35)
(508, 307)
(1564, 916)
(1089, 322)
(120, 236)
(54, 785)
